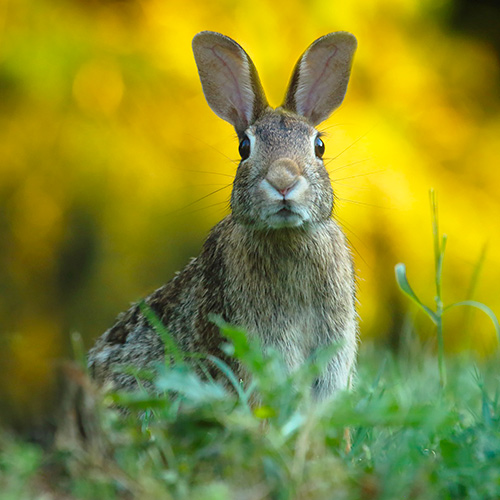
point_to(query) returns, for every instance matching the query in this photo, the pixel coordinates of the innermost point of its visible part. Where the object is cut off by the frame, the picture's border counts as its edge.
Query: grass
(419, 429)
(411, 438)
(436, 316)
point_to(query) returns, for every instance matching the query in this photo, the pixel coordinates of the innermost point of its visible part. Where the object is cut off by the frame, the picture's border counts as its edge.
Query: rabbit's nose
(283, 174)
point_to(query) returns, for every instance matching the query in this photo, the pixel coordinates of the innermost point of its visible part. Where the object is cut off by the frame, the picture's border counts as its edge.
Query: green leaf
(171, 347)
(265, 412)
(182, 380)
(248, 350)
(138, 400)
(226, 370)
(482, 307)
(406, 288)
(236, 335)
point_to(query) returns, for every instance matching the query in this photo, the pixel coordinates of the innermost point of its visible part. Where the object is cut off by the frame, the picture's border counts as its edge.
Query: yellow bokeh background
(109, 155)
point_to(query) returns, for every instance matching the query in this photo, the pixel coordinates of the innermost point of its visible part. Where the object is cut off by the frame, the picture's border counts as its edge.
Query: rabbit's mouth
(285, 212)
(286, 216)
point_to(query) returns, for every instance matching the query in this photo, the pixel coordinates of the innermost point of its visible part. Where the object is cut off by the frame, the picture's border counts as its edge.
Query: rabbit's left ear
(319, 80)
(229, 79)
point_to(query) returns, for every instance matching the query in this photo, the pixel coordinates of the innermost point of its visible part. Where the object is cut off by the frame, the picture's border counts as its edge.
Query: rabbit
(279, 265)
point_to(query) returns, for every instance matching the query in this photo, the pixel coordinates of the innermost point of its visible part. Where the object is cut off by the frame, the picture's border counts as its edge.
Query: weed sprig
(436, 315)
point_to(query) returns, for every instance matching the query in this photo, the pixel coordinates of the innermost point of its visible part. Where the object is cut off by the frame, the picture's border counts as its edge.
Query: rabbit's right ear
(229, 79)
(319, 80)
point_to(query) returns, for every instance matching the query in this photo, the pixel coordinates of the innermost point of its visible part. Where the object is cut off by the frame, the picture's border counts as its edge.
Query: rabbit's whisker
(209, 206)
(350, 186)
(343, 222)
(334, 125)
(341, 167)
(211, 146)
(358, 175)
(200, 199)
(357, 202)
(202, 172)
(211, 184)
(353, 143)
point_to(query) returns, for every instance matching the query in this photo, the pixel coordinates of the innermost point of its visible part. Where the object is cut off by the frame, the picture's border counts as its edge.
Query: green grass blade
(480, 306)
(79, 353)
(471, 290)
(439, 249)
(478, 267)
(435, 229)
(405, 287)
(226, 370)
(171, 347)
(439, 267)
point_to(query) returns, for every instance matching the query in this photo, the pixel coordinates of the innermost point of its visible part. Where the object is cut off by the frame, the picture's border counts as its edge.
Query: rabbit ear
(229, 79)
(319, 81)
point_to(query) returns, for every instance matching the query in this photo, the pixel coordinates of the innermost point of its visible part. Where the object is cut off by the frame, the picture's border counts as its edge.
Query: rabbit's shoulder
(188, 286)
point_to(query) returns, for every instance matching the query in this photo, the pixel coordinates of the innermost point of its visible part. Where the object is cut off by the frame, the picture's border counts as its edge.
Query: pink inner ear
(236, 73)
(316, 79)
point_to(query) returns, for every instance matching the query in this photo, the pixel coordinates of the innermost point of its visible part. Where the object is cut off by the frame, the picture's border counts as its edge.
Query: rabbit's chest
(295, 294)
(284, 307)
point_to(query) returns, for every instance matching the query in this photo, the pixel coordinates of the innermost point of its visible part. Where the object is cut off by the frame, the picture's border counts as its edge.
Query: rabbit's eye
(319, 147)
(244, 148)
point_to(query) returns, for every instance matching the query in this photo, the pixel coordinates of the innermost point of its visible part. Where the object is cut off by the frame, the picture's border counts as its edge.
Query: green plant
(437, 315)
(195, 438)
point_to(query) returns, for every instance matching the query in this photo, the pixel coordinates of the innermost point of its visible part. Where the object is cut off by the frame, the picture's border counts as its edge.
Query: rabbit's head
(281, 180)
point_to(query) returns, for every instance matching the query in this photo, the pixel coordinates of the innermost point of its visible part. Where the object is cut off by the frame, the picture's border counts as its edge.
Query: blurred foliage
(195, 439)
(108, 154)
